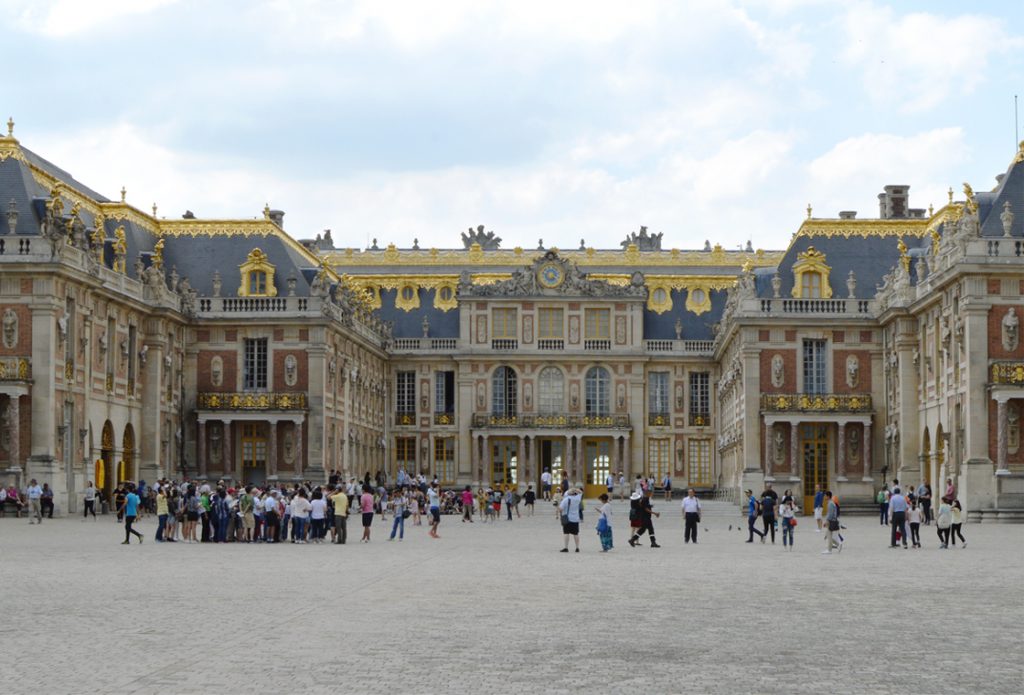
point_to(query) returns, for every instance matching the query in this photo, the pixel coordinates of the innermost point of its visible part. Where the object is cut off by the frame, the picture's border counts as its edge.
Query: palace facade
(136, 346)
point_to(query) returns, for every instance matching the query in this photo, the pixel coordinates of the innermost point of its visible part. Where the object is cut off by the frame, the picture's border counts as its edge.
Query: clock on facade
(550, 275)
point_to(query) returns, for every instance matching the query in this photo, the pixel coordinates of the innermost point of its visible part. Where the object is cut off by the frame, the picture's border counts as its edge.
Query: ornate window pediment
(810, 275)
(257, 276)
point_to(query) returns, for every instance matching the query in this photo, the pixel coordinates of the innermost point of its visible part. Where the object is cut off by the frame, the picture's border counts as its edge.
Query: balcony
(659, 419)
(15, 369)
(828, 307)
(251, 401)
(551, 344)
(700, 419)
(551, 421)
(597, 345)
(680, 347)
(424, 345)
(816, 403)
(405, 418)
(444, 418)
(505, 344)
(1011, 373)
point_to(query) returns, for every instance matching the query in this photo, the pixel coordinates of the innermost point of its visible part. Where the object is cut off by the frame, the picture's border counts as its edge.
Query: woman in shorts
(570, 507)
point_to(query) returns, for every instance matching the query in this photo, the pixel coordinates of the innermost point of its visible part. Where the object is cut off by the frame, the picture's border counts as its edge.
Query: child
(914, 517)
(414, 508)
(604, 523)
(789, 512)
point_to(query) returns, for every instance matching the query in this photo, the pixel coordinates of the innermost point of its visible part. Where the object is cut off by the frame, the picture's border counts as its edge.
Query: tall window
(504, 323)
(699, 462)
(504, 392)
(111, 351)
(815, 362)
(659, 452)
(597, 324)
(550, 321)
(597, 386)
(405, 396)
(405, 453)
(444, 392)
(700, 399)
(551, 387)
(810, 285)
(255, 364)
(444, 459)
(257, 283)
(657, 398)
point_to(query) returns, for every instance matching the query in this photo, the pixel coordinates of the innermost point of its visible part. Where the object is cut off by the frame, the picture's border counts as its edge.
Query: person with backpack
(640, 517)
(768, 500)
(571, 508)
(788, 514)
(245, 506)
(753, 511)
(832, 521)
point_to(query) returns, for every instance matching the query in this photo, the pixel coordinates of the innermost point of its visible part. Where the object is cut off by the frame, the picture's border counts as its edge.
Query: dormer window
(810, 275)
(257, 276)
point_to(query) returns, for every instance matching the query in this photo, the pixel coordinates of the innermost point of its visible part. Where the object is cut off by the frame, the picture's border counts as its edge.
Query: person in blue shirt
(131, 511)
(819, 502)
(752, 517)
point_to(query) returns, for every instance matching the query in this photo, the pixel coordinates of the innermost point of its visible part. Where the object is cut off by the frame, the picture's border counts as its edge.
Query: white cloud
(920, 59)
(62, 18)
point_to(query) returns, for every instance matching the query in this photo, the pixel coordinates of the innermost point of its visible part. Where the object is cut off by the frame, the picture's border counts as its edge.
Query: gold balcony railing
(1008, 373)
(15, 368)
(444, 418)
(252, 401)
(816, 403)
(552, 421)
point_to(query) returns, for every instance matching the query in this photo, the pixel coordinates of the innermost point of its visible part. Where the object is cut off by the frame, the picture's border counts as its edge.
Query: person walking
(467, 504)
(832, 525)
(956, 519)
(897, 518)
(34, 493)
(604, 523)
(943, 521)
(819, 500)
(529, 498)
(545, 485)
(768, 499)
(926, 503)
(666, 485)
(643, 511)
(340, 500)
(366, 508)
(399, 504)
(434, 506)
(89, 498)
(787, 518)
(914, 517)
(570, 508)
(753, 511)
(691, 515)
(130, 510)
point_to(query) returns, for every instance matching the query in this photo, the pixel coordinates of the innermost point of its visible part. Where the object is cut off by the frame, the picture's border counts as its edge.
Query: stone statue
(778, 446)
(291, 370)
(139, 267)
(851, 285)
(854, 438)
(852, 371)
(216, 283)
(289, 446)
(971, 205)
(216, 439)
(642, 240)
(679, 329)
(1007, 219)
(217, 371)
(10, 329)
(173, 279)
(120, 250)
(487, 240)
(776, 285)
(778, 371)
(54, 224)
(1010, 330)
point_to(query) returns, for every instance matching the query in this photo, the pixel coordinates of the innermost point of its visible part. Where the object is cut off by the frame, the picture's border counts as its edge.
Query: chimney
(894, 203)
(847, 214)
(277, 217)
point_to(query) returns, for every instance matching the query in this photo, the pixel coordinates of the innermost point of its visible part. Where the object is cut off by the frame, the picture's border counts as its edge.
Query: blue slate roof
(869, 258)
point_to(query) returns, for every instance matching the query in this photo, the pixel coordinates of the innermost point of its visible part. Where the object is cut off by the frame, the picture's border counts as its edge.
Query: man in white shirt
(434, 505)
(35, 496)
(691, 513)
(622, 486)
(545, 484)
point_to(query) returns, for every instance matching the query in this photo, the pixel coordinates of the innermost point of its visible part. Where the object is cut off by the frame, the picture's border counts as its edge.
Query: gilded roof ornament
(157, 259)
(266, 211)
(10, 127)
(972, 203)
(904, 255)
(124, 192)
(809, 210)
(950, 194)
(154, 209)
(1020, 153)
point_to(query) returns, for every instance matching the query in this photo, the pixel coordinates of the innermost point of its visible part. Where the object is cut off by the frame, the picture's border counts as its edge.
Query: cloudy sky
(561, 119)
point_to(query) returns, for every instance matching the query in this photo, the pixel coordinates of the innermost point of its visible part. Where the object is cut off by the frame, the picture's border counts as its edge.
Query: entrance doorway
(814, 445)
(504, 462)
(597, 456)
(254, 453)
(107, 480)
(552, 457)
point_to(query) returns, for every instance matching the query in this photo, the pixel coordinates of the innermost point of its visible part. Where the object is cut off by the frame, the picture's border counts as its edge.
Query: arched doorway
(126, 468)
(106, 480)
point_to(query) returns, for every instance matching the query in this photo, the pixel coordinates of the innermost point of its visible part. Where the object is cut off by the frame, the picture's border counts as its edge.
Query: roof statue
(972, 202)
(643, 240)
(487, 240)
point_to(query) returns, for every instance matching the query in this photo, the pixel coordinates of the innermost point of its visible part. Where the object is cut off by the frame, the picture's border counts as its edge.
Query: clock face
(550, 275)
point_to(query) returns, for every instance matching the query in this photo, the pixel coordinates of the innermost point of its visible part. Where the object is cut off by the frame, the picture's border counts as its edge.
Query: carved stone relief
(620, 396)
(620, 330)
(853, 439)
(778, 371)
(216, 443)
(217, 371)
(574, 395)
(527, 329)
(778, 447)
(288, 446)
(291, 370)
(574, 329)
(528, 395)
(481, 329)
(10, 329)
(852, 371)
(481, 395)
(1010, 330)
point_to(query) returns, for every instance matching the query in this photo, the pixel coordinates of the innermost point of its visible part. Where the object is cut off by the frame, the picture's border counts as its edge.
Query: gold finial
(10, 127)
(154, 209)
(950, 193)
(1020, 153)
(266, 211)
(124, 192)
(809, 210)
(904, 255)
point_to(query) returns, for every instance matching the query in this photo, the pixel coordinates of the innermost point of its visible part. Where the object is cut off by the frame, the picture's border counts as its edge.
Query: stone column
(521, 459)
(867, 453)
(271, 463)
(14, 413)
(201, 448)
(298, 449)
(1002, 439)
(841, 453)
(535, 461)
(769, 453)
(627, 460)
(616, 459)
(794, 451)
(228, 441)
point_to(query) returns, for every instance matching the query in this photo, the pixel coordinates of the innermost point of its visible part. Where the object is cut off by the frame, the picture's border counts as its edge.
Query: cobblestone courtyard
(496, 608)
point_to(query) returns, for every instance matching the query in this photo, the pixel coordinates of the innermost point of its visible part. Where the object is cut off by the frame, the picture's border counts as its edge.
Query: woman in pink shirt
(366, 506)
(467, 505)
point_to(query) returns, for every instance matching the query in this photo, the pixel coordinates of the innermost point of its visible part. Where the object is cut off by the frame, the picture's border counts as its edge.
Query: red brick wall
(995, 333)
(230, 373)
(839, 371)
(993, 431)
(302, 370)
(23, 347)
(788, 367)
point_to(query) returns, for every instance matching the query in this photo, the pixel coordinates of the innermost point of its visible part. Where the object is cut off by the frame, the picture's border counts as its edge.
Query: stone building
(137, 346)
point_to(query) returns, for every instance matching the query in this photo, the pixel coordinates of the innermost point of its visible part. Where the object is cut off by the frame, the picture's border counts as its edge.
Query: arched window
(598, 384)
(551, 385)
(504, 392)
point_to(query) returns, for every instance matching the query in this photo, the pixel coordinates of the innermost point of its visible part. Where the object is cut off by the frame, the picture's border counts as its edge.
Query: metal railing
(820, 402)
(551, 421)
(251, 401)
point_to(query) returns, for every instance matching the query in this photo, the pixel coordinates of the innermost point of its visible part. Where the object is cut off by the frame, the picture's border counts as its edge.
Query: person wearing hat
(571, 507)
(640, 517)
